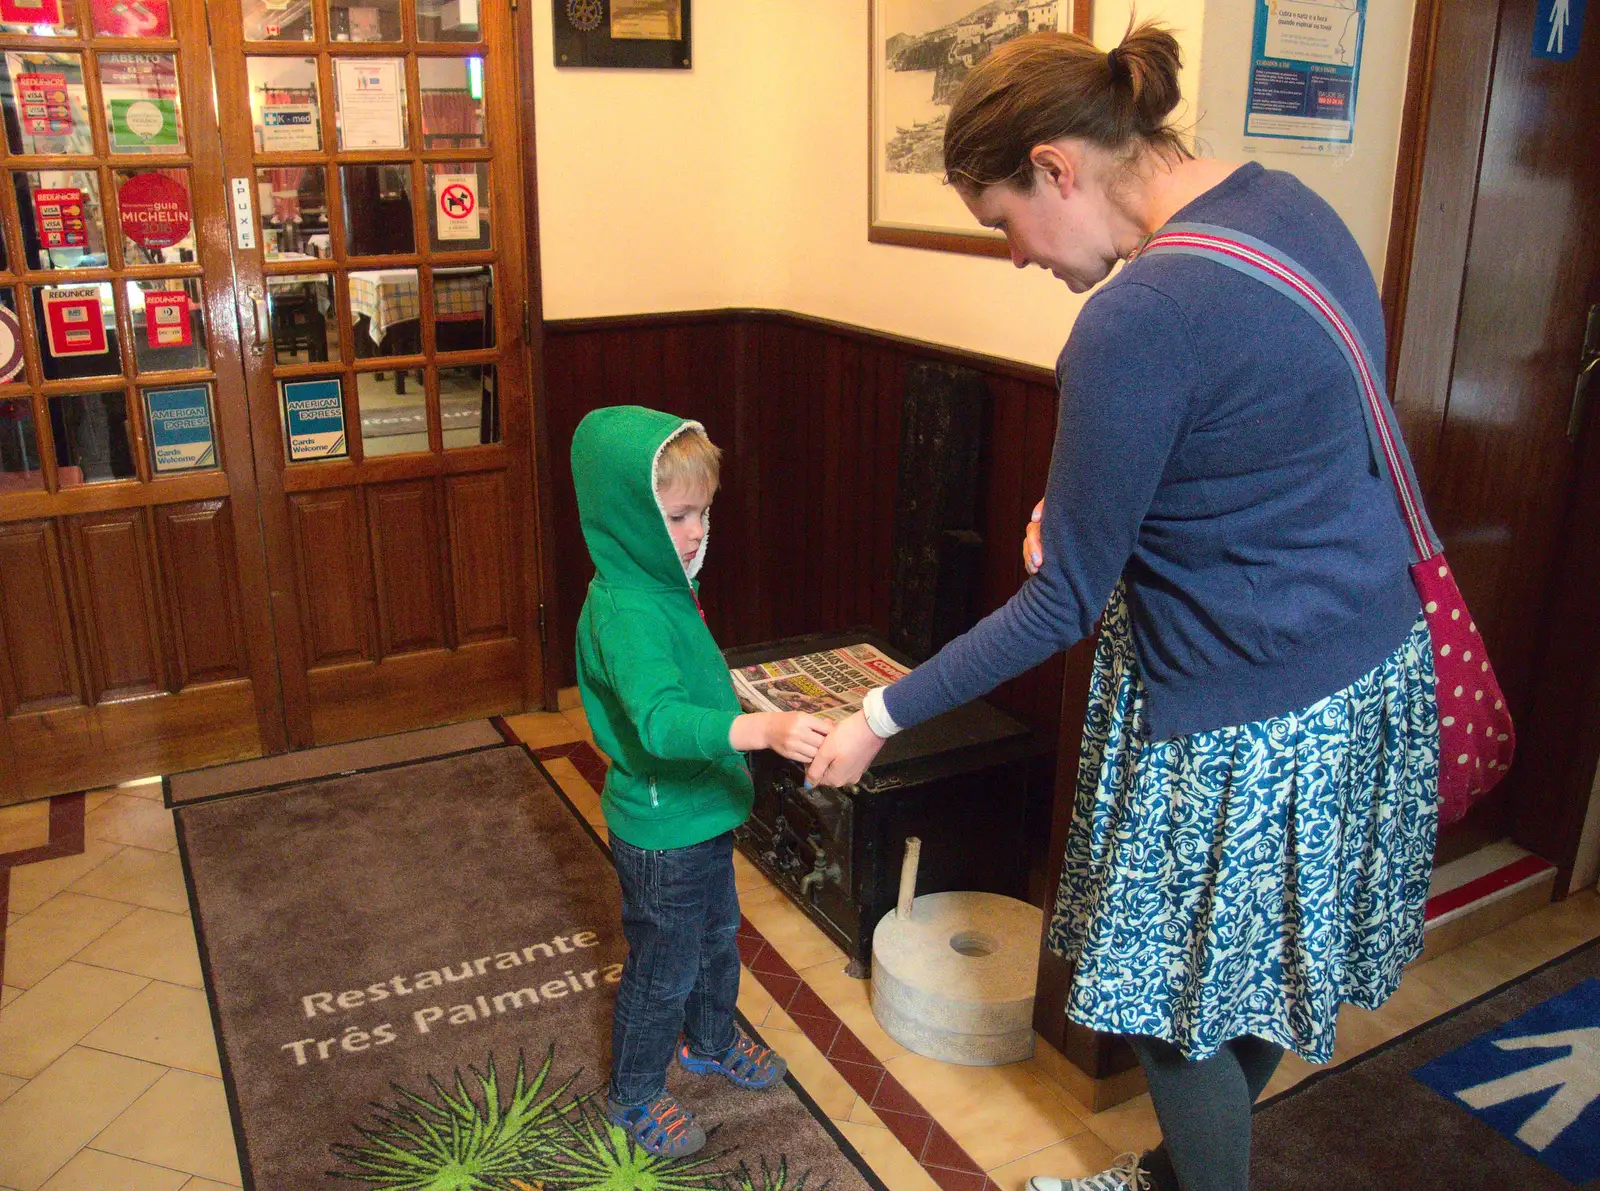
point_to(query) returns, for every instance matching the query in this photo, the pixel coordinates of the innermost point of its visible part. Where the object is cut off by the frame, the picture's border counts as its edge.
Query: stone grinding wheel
(955, 980)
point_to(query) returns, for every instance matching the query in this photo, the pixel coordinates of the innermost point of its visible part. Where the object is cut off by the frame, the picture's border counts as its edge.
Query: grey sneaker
(1124, 1174)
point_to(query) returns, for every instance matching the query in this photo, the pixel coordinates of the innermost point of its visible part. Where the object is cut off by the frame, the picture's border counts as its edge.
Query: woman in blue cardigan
(1256, 799)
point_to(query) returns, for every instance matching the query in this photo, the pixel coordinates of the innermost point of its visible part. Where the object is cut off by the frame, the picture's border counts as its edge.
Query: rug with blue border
(1504, 1092)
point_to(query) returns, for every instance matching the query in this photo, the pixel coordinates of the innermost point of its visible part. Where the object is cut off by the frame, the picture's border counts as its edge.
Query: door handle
(260, 319)
(1588, 366)
(1580, 397)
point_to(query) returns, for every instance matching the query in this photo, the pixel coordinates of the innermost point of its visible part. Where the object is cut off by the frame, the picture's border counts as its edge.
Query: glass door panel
(125, 453)
(384, 367)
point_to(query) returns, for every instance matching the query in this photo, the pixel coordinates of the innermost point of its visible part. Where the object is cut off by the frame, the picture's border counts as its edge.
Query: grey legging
(1204, 1109)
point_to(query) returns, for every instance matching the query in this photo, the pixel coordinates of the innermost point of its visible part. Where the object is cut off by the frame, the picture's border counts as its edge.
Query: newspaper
(830, 684)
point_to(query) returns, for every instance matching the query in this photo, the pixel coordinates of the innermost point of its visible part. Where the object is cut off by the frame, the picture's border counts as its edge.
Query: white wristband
(878, 717)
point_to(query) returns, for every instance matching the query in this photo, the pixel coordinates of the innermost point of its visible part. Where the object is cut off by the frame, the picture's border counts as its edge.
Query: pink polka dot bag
(1476, 738)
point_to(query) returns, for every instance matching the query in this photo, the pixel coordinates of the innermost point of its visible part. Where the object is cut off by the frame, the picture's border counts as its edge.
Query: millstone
(955, 981)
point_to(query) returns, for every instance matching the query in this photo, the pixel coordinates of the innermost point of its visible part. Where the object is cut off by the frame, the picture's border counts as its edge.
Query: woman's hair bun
(1046, 85)
(1146, 65)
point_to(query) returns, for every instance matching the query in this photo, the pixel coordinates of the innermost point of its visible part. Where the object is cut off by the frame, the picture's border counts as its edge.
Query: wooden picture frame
(908, 203)
(637, 34)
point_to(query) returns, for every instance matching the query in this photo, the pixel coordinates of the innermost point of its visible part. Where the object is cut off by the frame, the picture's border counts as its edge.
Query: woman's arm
(1125, 378)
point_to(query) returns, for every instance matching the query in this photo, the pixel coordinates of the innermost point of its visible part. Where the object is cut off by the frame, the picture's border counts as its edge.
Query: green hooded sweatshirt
(654, 684)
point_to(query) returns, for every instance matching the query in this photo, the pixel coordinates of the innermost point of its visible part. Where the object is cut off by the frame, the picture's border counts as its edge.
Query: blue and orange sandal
(746, 1064)
(663, 1126)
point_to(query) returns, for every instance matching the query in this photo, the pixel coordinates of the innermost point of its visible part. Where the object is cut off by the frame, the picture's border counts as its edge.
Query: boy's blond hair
(690, 460)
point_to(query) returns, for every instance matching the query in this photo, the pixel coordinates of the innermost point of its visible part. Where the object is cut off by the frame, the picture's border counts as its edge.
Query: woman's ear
(1053, 167)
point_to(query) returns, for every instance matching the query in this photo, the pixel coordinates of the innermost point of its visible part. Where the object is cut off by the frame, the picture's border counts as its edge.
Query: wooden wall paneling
(815, 582)
(120, 611)
(569, 562)
(856, 489)
(335, 584)
(1040, 687)
(1006, 499)
(480, 589)
(809, 413)
(780, 499)
(869, 566)
(820, 595)
(833, 540)
(889, 388)
(39, 660)
(795, 464)
(199, 569)
(754, 610)
(403, 519)
(797, 485)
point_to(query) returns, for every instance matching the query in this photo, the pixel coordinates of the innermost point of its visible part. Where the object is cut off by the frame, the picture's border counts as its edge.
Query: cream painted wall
(1360, 186)
(744, 181)
(644, 176)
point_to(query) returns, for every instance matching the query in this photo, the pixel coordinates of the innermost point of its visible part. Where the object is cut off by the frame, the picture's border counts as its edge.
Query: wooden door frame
(1454, 44)
(309, 721)
(134, 736)
(539, 562)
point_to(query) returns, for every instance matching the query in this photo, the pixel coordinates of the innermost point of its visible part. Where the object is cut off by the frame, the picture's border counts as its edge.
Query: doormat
(355, 756)
(1502, 1092)
(411, 973)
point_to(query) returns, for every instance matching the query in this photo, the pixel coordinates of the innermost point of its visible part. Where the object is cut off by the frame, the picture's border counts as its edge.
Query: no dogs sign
(457, 206)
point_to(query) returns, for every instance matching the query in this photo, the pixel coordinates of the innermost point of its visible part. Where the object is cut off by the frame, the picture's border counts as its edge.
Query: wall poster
(1305, 63)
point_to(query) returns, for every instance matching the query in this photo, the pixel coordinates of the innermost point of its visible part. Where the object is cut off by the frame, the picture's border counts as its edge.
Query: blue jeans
(680, 915)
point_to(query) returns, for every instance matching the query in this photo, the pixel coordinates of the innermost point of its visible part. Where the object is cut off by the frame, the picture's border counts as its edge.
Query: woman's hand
(845, 755)
(792, 734)
(1032, 543)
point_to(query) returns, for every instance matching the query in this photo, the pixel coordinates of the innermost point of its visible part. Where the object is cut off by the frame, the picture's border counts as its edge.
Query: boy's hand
(796, 735)
(792, 734)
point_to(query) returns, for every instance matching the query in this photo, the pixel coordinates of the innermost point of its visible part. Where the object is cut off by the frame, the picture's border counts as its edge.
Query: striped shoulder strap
(1252, 257)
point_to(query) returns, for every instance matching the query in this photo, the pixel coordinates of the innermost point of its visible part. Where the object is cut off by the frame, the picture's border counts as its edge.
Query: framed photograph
(643, 34)
(921, 51)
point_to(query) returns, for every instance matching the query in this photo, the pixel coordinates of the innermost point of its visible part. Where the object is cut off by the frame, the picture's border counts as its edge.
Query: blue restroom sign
(1556, 29)
(181, 435)
(1535, 1081)
(313, 417)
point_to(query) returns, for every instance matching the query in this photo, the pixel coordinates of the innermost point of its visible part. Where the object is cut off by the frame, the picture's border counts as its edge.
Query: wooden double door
(266, 477)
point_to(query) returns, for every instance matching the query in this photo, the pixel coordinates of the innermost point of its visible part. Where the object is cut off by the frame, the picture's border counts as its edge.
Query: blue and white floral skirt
(1250, 879)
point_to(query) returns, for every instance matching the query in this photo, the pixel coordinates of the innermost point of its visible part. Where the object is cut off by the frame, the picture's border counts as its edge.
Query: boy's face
(685, 506)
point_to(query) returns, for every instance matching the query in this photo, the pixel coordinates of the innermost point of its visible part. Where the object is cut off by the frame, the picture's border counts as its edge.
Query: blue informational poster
(181, 436)
(313, 417)
(1305, 62)
(1556, 29)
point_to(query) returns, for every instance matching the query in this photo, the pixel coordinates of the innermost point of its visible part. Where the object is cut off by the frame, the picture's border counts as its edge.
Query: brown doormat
(329, 760)
(1451, 1106)
(411, 973)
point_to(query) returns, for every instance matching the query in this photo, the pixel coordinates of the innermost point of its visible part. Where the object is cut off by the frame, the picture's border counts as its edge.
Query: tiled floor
(109, 1075)
(109, 1069)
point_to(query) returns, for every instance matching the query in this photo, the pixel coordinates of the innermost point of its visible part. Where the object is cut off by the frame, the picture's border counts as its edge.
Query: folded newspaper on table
(830, 684)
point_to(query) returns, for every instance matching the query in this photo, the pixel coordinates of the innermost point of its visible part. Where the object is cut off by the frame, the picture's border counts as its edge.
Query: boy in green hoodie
(661, 706)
